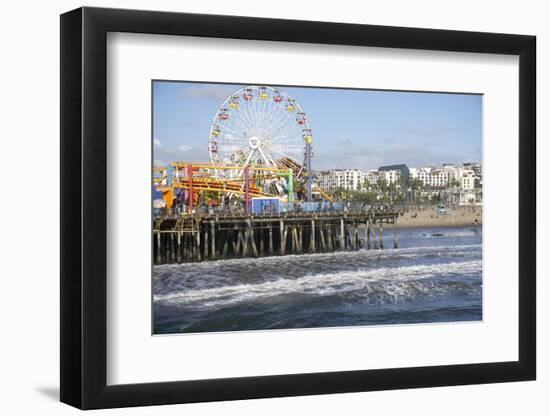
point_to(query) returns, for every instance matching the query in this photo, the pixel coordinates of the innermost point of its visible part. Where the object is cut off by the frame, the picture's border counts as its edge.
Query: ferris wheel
(260, 126)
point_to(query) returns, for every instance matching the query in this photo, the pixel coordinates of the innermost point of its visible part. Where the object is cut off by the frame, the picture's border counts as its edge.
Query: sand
(430, 218)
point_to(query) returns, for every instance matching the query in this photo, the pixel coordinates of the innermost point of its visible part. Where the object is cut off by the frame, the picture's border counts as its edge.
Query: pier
(209, 237)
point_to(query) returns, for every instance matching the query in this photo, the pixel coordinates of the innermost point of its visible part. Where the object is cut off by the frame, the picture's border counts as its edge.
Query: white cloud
(185, 148)
(157, 143)
(208, 92)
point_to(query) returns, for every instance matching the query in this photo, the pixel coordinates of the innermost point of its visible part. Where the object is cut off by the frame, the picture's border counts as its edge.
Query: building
(470, 180)
(466, 189)
(433, 177)
(391, 176)
(473, 166)
(402, 168)
(372, 176)
(455, 172)
(348, 179)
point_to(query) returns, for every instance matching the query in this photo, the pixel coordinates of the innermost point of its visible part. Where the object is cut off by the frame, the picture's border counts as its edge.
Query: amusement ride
(260, 145)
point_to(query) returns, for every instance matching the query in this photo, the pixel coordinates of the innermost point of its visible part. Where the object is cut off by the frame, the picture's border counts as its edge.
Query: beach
(461, 217)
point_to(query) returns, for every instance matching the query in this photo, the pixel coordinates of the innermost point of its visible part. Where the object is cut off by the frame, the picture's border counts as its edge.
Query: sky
(361, 129)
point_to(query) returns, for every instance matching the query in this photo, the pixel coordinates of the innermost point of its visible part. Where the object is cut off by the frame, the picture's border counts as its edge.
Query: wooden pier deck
(179, 239)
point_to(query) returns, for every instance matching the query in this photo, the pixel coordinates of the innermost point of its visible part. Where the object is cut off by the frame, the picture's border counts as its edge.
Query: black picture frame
(84, 207)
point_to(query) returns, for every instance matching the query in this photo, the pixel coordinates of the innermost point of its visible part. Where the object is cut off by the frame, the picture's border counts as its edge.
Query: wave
(378, 285)
(415, 252)
(187, 277)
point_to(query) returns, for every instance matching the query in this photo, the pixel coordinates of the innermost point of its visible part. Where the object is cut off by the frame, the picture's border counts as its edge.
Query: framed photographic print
(256, 208)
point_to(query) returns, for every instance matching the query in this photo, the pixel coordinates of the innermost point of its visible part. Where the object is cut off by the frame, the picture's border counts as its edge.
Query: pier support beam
(172, 252)
(179, 251)
(329, 236)
(312, 237)
(198, 237)
(322, 236)
(251, 237)
(283, 236)
(368, 233)
(225, 244)
(206, 242)
(213, 239)
(270, 239)
(205, 237)
(159, 259)
(342, 235)
(262, 238)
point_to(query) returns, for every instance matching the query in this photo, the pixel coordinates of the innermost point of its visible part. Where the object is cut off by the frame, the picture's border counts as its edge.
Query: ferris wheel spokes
(259, 126)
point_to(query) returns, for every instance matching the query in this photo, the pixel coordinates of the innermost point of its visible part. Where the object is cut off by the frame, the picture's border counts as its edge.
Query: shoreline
(444, 224)
(454, 218)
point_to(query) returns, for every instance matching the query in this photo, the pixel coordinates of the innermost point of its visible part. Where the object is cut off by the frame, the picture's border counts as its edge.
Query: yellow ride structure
(198, 176)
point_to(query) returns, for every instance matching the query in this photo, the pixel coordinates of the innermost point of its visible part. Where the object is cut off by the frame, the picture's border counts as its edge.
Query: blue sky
(351, 128)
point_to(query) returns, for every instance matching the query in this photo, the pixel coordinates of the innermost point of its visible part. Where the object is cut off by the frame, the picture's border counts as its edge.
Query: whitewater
(428, 279)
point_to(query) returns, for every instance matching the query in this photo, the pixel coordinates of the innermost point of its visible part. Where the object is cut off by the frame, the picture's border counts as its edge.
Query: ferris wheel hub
(254, 142)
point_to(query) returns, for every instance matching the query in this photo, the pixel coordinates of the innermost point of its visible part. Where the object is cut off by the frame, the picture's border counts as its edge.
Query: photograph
(293, 207)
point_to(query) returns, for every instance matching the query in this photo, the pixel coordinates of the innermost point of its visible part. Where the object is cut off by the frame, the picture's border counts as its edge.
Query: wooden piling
(262, 241)
(198, 251)
(312, 237)
(225, 244)
(206, 243)
(270, 239)
(252, 237)
(178, 258)
(213, 239)
(159, 258)
(195, 239)
(342, 235)
(328, 230)
(246, 239)
(322, 236)
(368, 233)
(282, 233)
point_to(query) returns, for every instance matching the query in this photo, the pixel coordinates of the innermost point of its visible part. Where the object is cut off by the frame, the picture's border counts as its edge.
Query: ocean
(434, 276)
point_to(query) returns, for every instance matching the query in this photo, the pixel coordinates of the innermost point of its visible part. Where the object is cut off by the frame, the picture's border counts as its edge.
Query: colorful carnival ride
(260, 145)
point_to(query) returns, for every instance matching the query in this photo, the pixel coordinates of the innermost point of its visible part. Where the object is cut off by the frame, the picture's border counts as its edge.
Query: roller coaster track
(202, 182)
(216, 185)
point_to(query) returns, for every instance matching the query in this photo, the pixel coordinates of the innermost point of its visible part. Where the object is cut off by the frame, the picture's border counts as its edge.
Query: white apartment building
(433, 177)
(391, 176)
(469, 180)
(474, 166)
(323, 179)
(455, 172)
(349, 179)
(372, 176)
